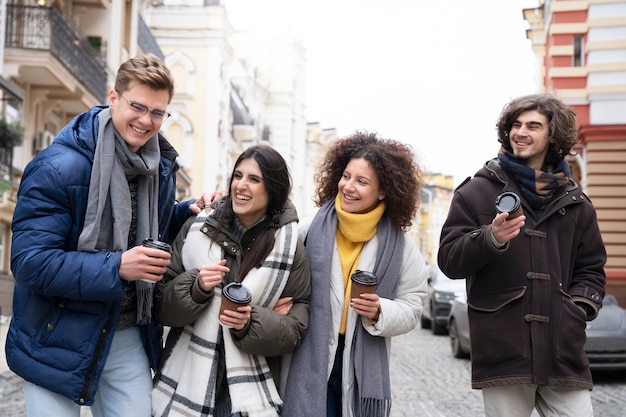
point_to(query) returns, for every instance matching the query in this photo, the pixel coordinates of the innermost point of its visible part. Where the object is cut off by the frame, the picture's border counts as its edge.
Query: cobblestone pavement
(426, 381)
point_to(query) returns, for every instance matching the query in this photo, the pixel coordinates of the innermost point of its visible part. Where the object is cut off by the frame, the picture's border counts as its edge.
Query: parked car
(606, 337)
(441, 292)
(458, 328)
(606, 334)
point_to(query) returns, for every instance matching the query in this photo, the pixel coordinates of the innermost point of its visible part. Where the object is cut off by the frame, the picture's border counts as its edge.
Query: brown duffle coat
(526, 324)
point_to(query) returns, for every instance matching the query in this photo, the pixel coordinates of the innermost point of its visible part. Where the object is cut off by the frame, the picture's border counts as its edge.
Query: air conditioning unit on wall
(43, 140)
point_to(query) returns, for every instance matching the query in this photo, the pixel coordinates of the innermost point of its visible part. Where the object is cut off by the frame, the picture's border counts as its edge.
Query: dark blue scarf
(537, 186)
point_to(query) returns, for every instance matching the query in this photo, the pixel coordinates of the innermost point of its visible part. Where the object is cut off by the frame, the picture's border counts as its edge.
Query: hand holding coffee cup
(509, 202)
(234, 295)
(362, 282)
(156, 244)
(363, 298)
(509, 220)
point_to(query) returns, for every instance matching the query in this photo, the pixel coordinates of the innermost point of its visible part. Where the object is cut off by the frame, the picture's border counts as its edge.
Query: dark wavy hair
(561, 123)
(277, 181)
(395, 166)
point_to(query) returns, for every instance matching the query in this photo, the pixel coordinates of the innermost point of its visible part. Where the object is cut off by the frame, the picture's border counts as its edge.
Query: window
(579, 53)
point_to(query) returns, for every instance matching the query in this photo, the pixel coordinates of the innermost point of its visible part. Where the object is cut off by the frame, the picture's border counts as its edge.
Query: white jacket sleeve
(402, 314)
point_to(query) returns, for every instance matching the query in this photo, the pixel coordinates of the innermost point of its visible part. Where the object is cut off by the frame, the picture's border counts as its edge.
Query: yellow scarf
(353, 230)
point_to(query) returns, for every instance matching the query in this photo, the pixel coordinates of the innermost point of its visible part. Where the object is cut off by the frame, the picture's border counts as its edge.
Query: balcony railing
(43, 28)
(146, 40)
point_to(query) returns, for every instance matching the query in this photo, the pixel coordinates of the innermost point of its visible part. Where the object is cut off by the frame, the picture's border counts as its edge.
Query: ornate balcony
(44, 29)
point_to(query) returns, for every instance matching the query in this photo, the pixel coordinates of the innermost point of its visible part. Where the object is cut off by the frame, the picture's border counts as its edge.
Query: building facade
(233, 90)
(581, 57)
(435, 199)
(58, 58)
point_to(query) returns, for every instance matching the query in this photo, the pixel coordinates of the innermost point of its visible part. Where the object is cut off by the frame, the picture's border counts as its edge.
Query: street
(426, 381)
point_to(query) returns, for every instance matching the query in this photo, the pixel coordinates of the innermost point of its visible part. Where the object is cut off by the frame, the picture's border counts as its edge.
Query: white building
(232, 90)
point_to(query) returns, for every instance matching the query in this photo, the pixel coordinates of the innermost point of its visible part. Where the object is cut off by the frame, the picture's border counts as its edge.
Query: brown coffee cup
(362, 282)
(509, 202)
(156, 244)
(234, 295)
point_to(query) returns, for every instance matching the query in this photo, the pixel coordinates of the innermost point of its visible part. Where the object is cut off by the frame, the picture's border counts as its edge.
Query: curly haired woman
(368, 192)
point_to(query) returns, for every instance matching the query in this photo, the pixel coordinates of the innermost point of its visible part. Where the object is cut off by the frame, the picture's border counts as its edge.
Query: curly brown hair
(395, 165)
(561, 123)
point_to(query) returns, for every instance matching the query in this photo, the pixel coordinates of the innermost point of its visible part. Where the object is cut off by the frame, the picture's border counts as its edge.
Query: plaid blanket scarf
(186, 386)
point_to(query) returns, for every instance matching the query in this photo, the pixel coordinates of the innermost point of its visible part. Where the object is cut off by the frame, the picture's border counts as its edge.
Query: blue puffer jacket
(66, 303)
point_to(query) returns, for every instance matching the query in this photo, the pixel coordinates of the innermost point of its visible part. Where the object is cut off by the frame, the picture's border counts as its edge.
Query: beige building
(435, 202)
(233, 90)
(57, 59)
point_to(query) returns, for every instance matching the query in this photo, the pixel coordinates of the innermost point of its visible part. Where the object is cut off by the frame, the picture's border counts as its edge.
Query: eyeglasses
(140, 109)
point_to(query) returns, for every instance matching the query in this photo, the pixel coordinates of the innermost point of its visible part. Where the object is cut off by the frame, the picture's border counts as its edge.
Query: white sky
(434, 74)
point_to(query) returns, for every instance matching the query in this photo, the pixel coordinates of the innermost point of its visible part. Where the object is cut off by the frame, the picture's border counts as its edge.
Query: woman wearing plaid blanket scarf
(229, 364)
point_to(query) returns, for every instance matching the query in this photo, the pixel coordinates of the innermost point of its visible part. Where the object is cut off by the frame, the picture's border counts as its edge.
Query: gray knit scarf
(109, 214)
(306, 395)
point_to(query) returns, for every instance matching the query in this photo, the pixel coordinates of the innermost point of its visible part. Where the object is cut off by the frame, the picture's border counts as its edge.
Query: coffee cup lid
(237, 293)
(507, 202)
(157, 244)
(364, 277)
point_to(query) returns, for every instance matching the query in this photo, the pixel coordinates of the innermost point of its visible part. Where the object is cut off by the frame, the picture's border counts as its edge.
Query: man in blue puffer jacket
(82, 332)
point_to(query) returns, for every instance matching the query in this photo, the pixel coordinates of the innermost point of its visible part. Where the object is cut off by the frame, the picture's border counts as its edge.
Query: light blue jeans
(124, 391)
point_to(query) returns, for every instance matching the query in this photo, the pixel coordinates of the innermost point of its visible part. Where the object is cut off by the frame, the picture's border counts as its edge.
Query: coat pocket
(571, 336)
(497, 326)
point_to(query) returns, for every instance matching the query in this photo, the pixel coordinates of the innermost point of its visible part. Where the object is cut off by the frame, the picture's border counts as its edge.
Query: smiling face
(249, 196)
(529, 138)
(359, 189)
(135, 128)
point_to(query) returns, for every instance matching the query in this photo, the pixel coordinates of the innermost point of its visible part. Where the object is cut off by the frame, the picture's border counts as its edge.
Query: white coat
(397, 316)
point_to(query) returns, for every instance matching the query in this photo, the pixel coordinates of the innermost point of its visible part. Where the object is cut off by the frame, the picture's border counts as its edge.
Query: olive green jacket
(179, 301)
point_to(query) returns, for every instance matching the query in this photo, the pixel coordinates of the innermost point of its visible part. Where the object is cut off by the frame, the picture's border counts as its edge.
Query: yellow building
(435, 198)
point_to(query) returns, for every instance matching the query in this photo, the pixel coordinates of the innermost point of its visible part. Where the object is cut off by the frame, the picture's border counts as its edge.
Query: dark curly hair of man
(394, 163)
(562, 128)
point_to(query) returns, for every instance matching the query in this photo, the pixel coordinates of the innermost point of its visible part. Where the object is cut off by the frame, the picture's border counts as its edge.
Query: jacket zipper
(97, 357)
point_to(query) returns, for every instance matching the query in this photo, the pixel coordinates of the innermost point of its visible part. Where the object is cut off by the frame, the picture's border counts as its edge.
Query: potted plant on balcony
(11, 134)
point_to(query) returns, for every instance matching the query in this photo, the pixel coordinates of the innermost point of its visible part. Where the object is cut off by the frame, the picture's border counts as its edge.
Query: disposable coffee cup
(362, 282)
(509, 202)
(156, 244)
(234, 295)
